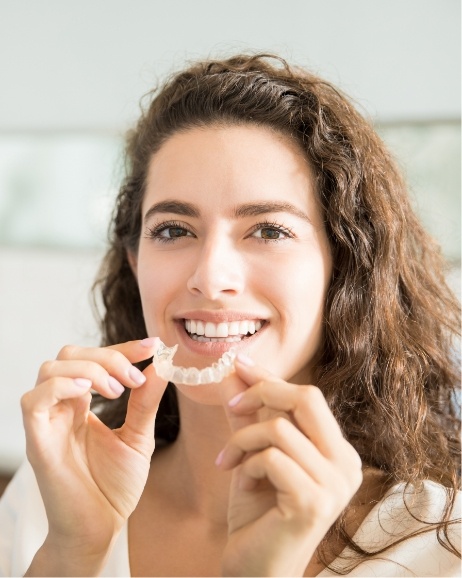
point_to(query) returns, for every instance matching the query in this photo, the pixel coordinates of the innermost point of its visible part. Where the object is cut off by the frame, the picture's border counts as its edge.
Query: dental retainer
(163, 363)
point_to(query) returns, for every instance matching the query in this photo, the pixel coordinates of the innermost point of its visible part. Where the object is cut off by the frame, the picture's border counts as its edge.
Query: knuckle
(26, 402)
(53, 382)
(46, 369)
(115, 357)
(67, 352)
(314, 392)
(264, 386)
(310, 396)
(305, 503)
(278, 427)
(271, 456)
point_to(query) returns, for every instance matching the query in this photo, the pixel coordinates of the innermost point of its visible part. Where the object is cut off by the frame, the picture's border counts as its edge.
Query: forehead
(227, 166)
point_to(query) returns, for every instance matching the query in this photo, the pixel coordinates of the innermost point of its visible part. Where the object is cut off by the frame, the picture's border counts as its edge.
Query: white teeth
(223, 329)
(210, 329)
(233, 328)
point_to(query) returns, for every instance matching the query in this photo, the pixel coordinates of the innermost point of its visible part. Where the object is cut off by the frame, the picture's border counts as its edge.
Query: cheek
(297, 282)
(300, 295)
(158, 280)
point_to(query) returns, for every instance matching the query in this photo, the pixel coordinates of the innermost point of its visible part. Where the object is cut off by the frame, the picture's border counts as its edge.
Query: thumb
(142, 407)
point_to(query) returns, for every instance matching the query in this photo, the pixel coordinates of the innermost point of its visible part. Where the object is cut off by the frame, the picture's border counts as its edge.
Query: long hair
(387, 362)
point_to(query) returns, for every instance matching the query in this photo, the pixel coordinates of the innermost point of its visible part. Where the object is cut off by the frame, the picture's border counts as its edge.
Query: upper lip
(222, 316)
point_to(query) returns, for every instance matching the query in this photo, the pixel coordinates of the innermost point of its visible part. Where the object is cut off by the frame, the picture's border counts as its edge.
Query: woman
(260, 212)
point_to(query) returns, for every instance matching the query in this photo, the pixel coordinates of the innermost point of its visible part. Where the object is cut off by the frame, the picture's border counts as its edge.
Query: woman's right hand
(90, 477)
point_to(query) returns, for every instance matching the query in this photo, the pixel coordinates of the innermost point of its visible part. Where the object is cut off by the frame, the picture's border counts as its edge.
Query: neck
(189, 477)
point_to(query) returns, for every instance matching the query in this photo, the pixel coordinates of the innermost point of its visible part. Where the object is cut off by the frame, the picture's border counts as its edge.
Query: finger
(105, 384)
(137, 350)
(142, 409)
(305, 404)
(44, 403)
(50, 393)
(283, 435)
(231, 388)
(287, 477)
(116, 360)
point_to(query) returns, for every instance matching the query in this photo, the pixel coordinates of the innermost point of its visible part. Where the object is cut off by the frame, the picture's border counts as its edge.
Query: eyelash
(155, 232)
(286, 231)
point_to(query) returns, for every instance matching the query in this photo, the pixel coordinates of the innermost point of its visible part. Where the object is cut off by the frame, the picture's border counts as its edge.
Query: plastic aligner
(163, 363)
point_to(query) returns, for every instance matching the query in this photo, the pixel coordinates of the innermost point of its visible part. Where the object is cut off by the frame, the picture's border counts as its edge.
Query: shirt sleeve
(23, 523)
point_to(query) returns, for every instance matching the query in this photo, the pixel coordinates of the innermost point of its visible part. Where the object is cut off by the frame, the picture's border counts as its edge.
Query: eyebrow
(177, 207)
(241, 211)
(263, 207)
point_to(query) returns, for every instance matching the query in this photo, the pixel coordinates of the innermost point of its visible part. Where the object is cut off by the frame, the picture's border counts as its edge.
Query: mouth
(223, 332)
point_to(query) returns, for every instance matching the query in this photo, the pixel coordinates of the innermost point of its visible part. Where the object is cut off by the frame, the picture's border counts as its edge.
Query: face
(233, 250)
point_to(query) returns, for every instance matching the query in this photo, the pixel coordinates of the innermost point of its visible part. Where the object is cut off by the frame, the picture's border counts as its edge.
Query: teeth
(233, 328)
(210, 329)
(222, 330)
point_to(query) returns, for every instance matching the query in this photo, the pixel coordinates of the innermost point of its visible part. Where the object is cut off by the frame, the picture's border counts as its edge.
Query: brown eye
(168, 232)
(174, 232)
(270, 234)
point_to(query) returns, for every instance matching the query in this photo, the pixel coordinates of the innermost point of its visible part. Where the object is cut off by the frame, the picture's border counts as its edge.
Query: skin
(260, 469)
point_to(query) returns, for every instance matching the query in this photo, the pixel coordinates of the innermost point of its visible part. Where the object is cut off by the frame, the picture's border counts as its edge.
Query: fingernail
(136, 375)
(219, 459)
(245, 360)
(148, 342)
(235, 400)
(82, 382)
(116, 387)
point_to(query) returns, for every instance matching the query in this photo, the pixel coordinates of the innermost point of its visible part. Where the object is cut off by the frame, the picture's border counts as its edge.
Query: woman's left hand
(293, 473)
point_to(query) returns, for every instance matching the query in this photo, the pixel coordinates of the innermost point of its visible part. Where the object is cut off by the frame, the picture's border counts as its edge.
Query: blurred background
(72, 75)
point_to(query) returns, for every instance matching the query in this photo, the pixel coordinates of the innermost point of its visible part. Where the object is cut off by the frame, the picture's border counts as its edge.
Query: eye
(268, 233)
(169, 231)
(271, 232)
(173, 232)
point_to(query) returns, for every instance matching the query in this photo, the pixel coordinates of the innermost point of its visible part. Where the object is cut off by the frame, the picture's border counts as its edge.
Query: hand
(293, 474)
(90, 477)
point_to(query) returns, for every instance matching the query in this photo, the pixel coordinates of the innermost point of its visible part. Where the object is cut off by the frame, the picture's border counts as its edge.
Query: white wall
(83, 65)
(44, 304)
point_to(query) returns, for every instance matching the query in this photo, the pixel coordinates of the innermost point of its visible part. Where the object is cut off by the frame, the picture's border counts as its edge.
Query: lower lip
(214, 348)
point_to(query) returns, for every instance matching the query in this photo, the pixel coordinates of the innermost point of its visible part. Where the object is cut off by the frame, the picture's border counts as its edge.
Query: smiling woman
(261, 217)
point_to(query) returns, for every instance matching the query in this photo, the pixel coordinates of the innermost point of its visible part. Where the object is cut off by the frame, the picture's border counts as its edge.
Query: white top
(23, 528)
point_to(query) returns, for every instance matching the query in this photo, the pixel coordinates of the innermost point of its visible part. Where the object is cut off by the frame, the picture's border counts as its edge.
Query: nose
(218, 270)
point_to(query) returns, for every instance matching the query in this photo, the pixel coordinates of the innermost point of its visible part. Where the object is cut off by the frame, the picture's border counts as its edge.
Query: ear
(133, 262)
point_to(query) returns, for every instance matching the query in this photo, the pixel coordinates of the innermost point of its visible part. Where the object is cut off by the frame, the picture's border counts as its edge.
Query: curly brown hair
(387, 365)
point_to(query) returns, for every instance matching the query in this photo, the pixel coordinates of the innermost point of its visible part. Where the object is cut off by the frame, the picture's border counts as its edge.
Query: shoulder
(417, 508)
(403, 535)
